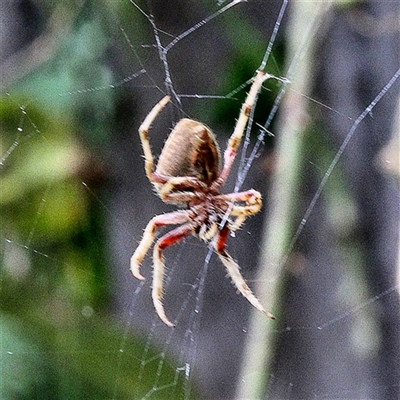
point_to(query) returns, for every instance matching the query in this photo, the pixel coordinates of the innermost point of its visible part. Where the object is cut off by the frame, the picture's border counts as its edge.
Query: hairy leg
(235, 139)
(252, 205)
(251, 199)
(165, 241)
(173, 218)
(144, 131)
(233, 271)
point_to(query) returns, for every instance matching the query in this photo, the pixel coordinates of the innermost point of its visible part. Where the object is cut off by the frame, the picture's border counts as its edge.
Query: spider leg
(173, 218)
(251, 199)
(177, 187)
(143, 132)
(235, 139)
(165, 241)
(252, 205)
(233, 271)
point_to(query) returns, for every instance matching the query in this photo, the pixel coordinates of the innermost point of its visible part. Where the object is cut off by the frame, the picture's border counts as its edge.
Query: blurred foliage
(76, 356)
(57, 339)
(246, 46)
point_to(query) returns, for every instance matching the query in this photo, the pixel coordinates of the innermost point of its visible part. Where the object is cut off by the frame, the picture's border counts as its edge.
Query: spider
(187, 174)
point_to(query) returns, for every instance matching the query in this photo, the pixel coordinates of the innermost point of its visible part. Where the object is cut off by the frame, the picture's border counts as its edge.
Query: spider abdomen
(190, 150)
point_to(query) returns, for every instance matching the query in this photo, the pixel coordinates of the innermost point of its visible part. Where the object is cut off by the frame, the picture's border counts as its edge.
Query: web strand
(182, 347)
(337, 157)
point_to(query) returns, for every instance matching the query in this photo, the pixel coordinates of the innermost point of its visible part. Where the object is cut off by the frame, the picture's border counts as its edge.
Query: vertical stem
(258, 352)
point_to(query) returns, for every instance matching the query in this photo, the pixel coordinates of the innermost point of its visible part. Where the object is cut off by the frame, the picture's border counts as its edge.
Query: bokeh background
(77, 79)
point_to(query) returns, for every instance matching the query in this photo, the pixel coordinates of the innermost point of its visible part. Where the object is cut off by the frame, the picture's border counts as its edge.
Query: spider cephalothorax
(188, 174)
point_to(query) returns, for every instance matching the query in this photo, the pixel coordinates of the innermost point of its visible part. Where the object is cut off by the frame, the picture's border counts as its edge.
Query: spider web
(74, 207)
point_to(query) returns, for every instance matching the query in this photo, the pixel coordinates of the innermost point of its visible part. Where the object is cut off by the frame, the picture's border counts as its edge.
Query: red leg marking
(221, 241)
(174, 218)
(174, 236)
(233, 271)
(158, 273)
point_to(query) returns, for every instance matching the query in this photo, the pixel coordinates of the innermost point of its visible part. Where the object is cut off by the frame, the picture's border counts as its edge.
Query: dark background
(75, 201)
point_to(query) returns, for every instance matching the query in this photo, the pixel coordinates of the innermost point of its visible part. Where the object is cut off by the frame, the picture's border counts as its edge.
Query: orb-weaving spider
(188, 174)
